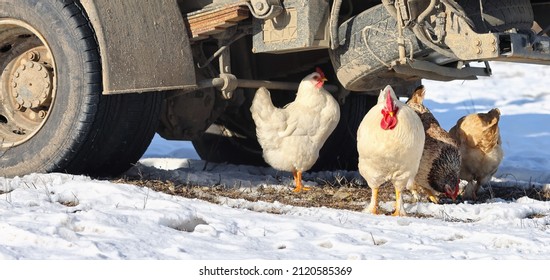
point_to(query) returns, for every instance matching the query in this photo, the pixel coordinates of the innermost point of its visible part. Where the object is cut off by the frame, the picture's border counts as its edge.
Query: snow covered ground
(58, 216)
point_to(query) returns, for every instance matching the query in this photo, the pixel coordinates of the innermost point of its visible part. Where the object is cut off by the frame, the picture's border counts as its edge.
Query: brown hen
(440, 163)
(478, 136)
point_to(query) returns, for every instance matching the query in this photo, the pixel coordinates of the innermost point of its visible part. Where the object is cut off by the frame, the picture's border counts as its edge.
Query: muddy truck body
(85, 85)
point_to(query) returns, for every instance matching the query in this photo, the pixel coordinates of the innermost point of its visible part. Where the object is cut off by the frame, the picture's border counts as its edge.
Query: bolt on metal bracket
(265, 9)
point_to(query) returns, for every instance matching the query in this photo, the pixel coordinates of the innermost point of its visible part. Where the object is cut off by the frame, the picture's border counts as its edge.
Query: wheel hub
(27, 82)
(32, 84)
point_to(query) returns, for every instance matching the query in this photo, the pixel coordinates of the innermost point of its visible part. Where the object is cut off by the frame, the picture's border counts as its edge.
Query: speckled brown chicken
(440, 163)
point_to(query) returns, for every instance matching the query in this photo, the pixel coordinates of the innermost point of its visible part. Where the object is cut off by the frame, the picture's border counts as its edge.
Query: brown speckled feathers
(440, 163)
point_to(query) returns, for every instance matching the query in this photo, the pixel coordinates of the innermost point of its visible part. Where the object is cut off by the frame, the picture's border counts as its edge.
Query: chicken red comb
(318, 70)
(390, 105)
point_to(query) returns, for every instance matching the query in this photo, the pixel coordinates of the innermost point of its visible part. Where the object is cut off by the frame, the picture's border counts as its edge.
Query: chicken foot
(431, 196)
(399, 208)
(298, 181)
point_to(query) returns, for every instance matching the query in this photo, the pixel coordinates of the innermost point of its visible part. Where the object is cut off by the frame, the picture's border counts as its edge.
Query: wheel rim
(27, 82)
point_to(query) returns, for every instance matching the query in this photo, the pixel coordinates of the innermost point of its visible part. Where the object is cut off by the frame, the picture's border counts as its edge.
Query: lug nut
(34, 56)
(42, 114)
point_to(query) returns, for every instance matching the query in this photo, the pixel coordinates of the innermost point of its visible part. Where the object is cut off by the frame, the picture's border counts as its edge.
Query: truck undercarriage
(86, 84)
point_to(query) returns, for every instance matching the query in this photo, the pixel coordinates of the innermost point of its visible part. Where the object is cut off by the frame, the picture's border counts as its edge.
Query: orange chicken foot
(298, 180)
(433, 197)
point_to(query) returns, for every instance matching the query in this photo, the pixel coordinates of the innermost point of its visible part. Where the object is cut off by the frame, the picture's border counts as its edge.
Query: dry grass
(350, 197)
(327, 196)
(337, 196)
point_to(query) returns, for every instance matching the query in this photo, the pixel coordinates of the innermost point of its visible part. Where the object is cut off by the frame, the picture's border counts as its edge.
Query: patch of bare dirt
(338, 196)
(350, 198)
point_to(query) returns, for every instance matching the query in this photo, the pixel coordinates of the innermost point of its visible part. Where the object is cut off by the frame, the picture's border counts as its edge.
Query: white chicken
(390, 142)
(291, 137)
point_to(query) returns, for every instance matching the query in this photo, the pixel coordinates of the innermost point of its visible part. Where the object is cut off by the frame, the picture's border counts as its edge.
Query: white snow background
(66, 217)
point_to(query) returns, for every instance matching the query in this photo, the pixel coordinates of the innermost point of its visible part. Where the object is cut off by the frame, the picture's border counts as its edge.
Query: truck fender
(144, 45)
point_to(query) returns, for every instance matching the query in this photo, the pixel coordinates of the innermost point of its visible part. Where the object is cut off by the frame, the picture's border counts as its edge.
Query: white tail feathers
(262, 107)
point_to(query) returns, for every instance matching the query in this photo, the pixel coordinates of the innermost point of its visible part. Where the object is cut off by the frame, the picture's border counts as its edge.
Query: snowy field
(65, 217)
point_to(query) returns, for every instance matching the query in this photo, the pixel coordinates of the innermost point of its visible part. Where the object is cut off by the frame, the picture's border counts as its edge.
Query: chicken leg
(399, 186)
(470, 190)
(399, 209)
(298, 180)
(373, 206)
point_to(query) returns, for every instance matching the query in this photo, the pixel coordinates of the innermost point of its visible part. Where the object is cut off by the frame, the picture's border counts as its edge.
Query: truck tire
(340, 149)
(540, 13)
(53, 117)
(499, 15)
(220, 144)
(364, 66)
